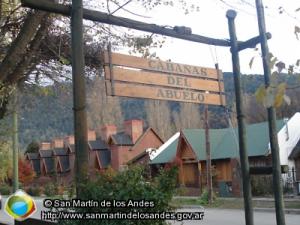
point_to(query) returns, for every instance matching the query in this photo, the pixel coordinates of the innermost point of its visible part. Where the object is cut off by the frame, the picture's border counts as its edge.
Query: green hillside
(46, 113)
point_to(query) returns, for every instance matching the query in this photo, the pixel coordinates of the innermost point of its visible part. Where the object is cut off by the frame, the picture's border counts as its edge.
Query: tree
(188, 117)
(17, 55)
(33, 147)
(26, 173)
(121, 189)
(102, 109)
(255, 112)
(5, 160)
(34, 46)
(159, 117)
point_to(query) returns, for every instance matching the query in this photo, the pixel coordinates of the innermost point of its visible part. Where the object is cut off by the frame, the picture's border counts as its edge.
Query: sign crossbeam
(101, 17)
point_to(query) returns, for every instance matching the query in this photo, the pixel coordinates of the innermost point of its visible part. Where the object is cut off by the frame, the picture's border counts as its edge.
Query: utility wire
(126, 10)
(120, 6)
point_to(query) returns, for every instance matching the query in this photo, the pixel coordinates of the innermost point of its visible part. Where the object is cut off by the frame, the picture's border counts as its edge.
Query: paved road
(236, 217)
(211, 217)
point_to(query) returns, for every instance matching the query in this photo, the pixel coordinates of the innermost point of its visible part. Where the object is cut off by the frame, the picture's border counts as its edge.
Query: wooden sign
(162, 93)
(154, 78)
(131, 76)
(161, 66)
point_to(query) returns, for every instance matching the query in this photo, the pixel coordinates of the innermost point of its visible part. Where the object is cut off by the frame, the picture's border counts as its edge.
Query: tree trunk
(19, 46)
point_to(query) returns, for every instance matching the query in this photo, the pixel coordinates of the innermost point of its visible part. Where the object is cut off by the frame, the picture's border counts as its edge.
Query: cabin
(187, 149)
(34, 160)
(111, 148)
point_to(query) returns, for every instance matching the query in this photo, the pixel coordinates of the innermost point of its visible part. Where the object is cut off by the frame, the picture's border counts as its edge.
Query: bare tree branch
(20, 45)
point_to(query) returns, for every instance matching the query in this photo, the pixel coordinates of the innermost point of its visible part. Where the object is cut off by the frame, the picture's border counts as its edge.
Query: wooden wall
(223, 170)
(297, 167)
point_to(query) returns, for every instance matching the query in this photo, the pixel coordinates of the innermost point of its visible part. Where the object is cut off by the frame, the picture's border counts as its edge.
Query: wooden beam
(251, 43)
(161, 93)
(163, 79)
(161, 66)
(97, 16)
(271, 112)
(208, 155)
(79, 99)
(248, 207)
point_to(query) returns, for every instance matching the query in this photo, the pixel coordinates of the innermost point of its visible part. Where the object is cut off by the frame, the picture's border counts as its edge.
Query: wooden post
(15, 140)
(199, 176)
(79, 97)
(277, 183)
(208, 156)
(231, 14)
(182, 174)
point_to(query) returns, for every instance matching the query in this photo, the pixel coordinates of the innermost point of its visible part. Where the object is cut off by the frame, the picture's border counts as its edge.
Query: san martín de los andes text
(91, 203)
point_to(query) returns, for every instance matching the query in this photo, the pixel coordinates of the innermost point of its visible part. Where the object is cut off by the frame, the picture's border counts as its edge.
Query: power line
(236, 8)
(126, 10)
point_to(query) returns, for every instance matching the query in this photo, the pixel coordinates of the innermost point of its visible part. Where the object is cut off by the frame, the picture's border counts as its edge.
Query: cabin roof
(65, 163)
(60, 151)
(98, 145)
(122, 139)
(46, 153)
(224, 142)
(105, 157)
(32, 155)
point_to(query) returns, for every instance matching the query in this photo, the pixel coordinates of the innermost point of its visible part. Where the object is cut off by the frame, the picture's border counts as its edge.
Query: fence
(289, 181)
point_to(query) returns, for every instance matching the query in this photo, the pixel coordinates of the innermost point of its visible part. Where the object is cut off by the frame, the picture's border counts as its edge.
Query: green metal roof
(167, 155)
(223, 142)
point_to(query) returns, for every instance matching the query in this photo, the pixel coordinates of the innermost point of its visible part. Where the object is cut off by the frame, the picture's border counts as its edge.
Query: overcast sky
(211, 21)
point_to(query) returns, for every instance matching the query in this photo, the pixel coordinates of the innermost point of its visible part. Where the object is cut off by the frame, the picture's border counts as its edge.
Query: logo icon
(20, 205)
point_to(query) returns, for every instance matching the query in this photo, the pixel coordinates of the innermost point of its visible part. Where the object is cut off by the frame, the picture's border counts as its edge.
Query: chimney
(107, 131)
(134, 128)
(91, 135)
(45, 146)
(57, 143)
(70, 140)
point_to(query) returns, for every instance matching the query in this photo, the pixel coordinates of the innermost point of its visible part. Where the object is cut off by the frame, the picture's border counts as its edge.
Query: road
(211, 217)
(236, 217)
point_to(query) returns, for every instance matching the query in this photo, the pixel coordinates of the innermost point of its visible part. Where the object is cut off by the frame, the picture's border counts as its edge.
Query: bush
(50, 189)
(128, 185)
(261, 185)
(204, 197)
(33, 191)
(71, 191)
(5, 189)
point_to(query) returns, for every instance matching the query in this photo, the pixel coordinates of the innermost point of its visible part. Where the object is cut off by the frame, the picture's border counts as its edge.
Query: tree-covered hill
(46, 112)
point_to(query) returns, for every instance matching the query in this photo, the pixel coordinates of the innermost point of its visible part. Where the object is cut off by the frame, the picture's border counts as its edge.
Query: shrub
(71, 191)
(130, 185)
(5, 189)
(33, 147)
(26, 173)
(50, 189)
(261, 185)
(33, 191)
(204, 197)
(60, 189)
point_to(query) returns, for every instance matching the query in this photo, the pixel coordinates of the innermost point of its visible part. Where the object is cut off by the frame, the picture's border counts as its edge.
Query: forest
(46, 112)
(35, 47)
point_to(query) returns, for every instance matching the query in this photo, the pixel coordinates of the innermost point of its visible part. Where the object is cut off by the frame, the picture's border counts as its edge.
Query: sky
(211, 21)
